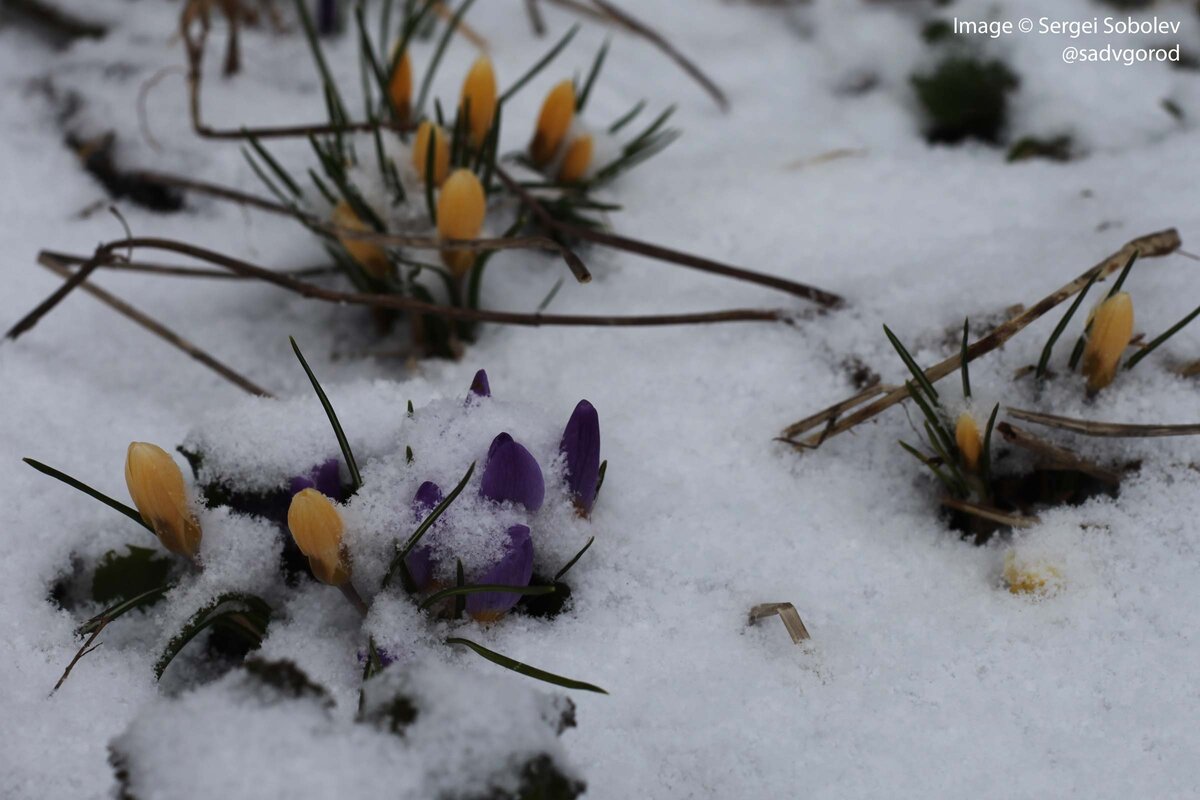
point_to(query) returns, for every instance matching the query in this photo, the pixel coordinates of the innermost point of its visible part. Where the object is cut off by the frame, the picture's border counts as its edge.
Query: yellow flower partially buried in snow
(558, 111)
(316, 526)
(156, 485)
(427, 132)
(371, 257)
(969, 440)
(461, 208)
(1026, 576)
(1112, 328)
(479, 93)
(400, 88)
(577, 159)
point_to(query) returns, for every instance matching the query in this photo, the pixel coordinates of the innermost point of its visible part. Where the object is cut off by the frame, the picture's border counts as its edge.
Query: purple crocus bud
(512, 473)
(420, 561)
(515, 568)
(480, 386)
(327, 17)
(325, 478)
(581, 447)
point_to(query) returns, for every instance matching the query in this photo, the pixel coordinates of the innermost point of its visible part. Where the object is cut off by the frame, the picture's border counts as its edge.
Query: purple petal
(581, 446)
(512, 473)
(420, 563)
(515, 568)
(480, 386)
(325, 478)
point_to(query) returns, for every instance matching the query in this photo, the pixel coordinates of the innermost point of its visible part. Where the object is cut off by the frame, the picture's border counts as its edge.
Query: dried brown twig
(56, 264)
(1107, 429)
(605, 11)
(106, 254)
(1155, 244)
(786, 612)
(989, 513)
(651, 250)
(1056, 457)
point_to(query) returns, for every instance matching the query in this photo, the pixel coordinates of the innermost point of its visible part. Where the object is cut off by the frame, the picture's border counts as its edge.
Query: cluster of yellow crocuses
(159, 491)
(462, 202)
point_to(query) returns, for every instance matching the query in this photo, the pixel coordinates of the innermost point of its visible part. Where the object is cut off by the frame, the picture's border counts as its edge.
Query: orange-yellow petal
(400, 88)
(969, 440)
(461, 208)
(558, 110)
(371, 257)
(156, 485)
(577, 159)
(316, 526)
(479, 88)
(1112, 328)
(441, 153)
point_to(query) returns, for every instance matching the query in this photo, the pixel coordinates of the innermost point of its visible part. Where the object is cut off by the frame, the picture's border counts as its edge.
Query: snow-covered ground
(924, 676)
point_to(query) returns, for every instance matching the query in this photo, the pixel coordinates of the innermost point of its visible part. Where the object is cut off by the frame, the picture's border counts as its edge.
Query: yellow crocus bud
(1024, 576)
(479, 88)
(460, 211)
(558, 110)
(371, 257)
(969, 440)
(1112, 328)
(316, 526)
(441, 153)
(157, 488)
(576, 160)
(400, 88)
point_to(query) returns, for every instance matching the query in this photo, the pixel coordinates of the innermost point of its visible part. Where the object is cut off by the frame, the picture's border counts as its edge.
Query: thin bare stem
(410, 305)
(1058, 457)
(1151, 245)
(1107, 429)
(606, 11)
(654, 251)
(81, 652)
(154, 326)
(989, 513)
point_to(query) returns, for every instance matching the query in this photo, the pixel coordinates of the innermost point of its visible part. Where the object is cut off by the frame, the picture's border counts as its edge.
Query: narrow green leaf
(1167, 334)
(917, 373)
(430, 152)
(597, 64)
(460, 579)
(122, 608)
(275, 166)
(567, 567)
(541, 64)
(1062, 324)
(88, 490)
(985, 462)
(966, 371)
(426, 524)
(343, 443)
(525, 669)
(120, 576)
(1116, 287)
(431, 70)
(600, 477)
(250, 612)
(337, 109)
(477, 588)
(627, 117)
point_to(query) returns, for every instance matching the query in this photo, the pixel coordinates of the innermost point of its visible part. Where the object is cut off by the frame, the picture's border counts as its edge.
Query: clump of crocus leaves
(959, 450)
(1099, 352)
(310, 506)
(424, 171)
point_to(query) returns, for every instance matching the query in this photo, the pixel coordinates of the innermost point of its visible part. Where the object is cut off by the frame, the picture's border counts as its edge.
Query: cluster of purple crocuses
(512, 474)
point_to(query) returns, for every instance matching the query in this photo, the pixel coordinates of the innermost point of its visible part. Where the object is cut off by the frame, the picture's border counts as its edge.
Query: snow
(925, 675)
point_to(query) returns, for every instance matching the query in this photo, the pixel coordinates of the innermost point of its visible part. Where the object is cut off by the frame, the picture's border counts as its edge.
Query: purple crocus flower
(327, 17)
(325, 478)
(512, 473)
(480, 386)
(515, 568)
(420, 561)
(581, 447)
